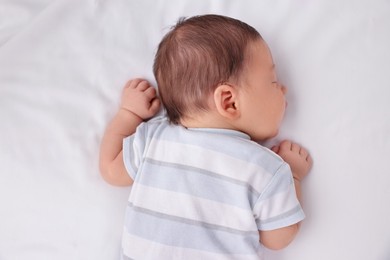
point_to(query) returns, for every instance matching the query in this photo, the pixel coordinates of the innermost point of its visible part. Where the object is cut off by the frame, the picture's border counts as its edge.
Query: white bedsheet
(62, 67)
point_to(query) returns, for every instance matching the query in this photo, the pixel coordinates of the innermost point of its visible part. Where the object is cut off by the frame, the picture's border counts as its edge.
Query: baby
(202, 187)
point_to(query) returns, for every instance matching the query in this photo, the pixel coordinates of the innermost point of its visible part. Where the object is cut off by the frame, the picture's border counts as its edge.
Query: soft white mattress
(62, 67)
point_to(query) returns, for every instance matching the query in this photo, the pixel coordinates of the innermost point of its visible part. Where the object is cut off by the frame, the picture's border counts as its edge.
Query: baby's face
(262, 97)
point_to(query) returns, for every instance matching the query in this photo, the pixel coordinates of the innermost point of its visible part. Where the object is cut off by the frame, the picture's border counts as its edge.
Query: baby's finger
(285, 145)
(295, 148)
(154, 106)
(303, 152)
(275, 148)
(143, 85)
(309, 160)
(133, 83)
(150, 93)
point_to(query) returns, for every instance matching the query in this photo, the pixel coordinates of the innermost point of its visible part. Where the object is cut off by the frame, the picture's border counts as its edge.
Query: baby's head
(195, 57)
(202, 54)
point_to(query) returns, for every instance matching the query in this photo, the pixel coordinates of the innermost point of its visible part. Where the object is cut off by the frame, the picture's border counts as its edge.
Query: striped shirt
(202, 193)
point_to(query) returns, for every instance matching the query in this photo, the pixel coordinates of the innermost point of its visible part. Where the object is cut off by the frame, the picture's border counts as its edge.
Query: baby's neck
(206, 120)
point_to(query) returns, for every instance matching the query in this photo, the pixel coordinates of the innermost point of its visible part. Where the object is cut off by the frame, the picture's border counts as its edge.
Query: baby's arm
(139, 102)
(300, 163)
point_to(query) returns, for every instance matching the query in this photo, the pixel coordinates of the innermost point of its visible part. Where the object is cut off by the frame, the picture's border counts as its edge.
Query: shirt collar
(220, 131)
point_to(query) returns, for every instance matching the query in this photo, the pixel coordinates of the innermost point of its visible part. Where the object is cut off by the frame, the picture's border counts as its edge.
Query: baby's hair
(197, 55)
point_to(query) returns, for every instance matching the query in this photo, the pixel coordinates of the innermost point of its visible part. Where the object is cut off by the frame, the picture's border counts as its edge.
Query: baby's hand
(296, 156)
(140, 98)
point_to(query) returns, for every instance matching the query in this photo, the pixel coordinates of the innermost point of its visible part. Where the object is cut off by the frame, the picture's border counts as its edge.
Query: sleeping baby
(202, 185)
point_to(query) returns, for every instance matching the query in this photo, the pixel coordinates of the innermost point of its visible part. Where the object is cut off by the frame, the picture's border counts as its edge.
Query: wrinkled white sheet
(62, 67)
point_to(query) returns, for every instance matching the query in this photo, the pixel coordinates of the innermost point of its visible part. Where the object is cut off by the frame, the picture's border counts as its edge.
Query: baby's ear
(225, 99)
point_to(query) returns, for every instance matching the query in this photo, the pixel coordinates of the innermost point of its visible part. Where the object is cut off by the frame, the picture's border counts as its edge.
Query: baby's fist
(140, 98)
(296, 156)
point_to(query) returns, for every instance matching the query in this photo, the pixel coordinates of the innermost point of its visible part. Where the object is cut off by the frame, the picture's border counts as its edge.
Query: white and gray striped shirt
(202, 193)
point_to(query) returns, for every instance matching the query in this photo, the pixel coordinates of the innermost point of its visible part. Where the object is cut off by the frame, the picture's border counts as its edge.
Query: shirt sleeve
(133, 150)
(278, 205)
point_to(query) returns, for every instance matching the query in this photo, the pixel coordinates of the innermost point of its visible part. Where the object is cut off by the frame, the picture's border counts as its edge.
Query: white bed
(62, 67)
